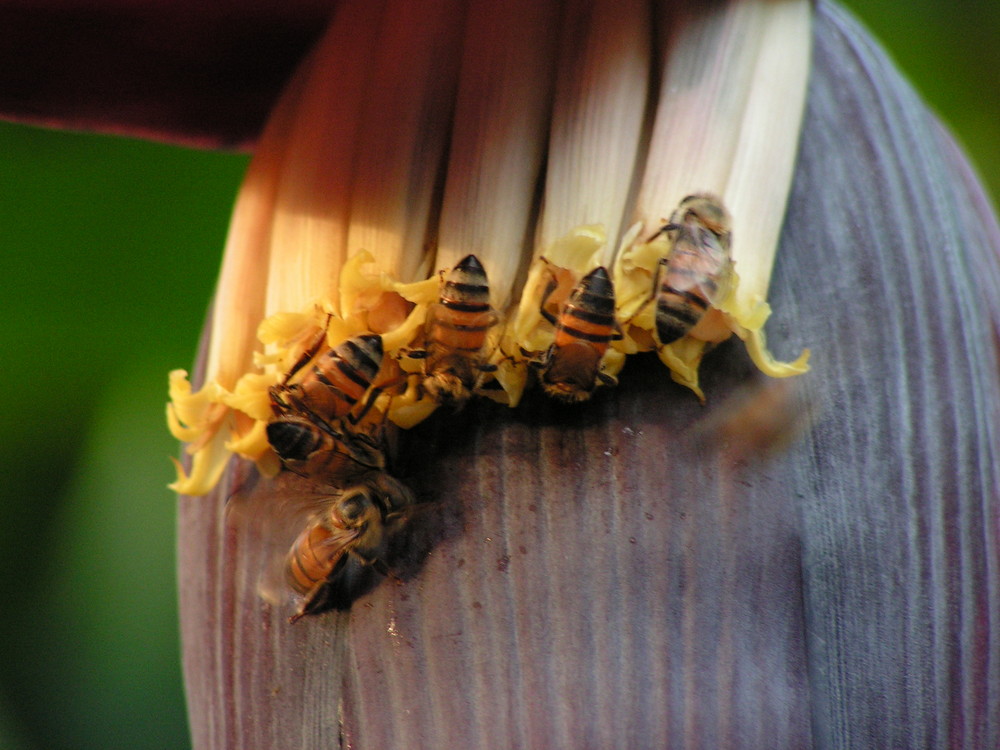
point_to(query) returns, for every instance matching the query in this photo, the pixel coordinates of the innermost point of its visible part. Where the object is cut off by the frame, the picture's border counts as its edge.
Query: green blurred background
(110, 249)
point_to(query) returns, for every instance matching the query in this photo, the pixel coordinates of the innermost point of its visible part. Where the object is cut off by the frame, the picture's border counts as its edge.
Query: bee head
(357, 507)
(706, 209)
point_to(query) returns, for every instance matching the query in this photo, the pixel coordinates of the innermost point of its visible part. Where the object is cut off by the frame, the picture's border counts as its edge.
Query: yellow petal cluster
(217, 422)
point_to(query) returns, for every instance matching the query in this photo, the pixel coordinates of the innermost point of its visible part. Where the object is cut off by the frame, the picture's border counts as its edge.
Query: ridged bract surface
(601, 577)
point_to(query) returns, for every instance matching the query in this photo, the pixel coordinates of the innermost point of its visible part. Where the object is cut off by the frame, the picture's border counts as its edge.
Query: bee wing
(698, 262)
(265, 504)
(274, 586)
(723, 283)
(270, 513)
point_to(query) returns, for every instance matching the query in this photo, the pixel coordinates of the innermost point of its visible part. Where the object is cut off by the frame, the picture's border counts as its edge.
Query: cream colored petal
(405, 126)
(597, 121)
(761, 174)
(501, 119)
(312, 205)
(239, 296)
(709, 64)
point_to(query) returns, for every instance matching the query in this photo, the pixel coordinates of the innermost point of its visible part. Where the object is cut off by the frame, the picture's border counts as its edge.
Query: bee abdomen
(460, 307)
(463, 315)
(677, 312)
(307, 565)
(463, 332)
(292, 441)
(589, 314)
(466, 288)
(350, 368)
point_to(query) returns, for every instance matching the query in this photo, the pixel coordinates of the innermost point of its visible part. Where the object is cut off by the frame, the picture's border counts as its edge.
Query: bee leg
(483, 370)
(540, 362)
(608, 380)
(660, 269)
(549, 289)
(643, 305)
(669, 227)
(361, 409)
(309, 352)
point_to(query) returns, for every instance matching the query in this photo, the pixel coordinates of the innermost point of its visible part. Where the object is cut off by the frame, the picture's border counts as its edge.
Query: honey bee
(356, 523)
(315, 425)
(309, 445)
(337, 382)
(697, 270)
(759, 420)
(455, 334)
(585, 326)
(319, 540)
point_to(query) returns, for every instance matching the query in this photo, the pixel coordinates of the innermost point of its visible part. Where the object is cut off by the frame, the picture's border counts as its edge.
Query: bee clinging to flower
(570, 370)
(697, 270)
(315, 425)
(455, 334)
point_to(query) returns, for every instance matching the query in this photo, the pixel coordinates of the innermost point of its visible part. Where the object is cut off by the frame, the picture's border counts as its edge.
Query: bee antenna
(668, 227)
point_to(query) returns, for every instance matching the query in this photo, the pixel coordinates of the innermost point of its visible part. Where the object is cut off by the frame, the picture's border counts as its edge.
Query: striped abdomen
(337, 381)
(315, 448)
(689, 277)
(312, 558)
(584, 329)
(589, 314)
(296, 438)
(686, 287)
(462, 317)
(456, 331)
